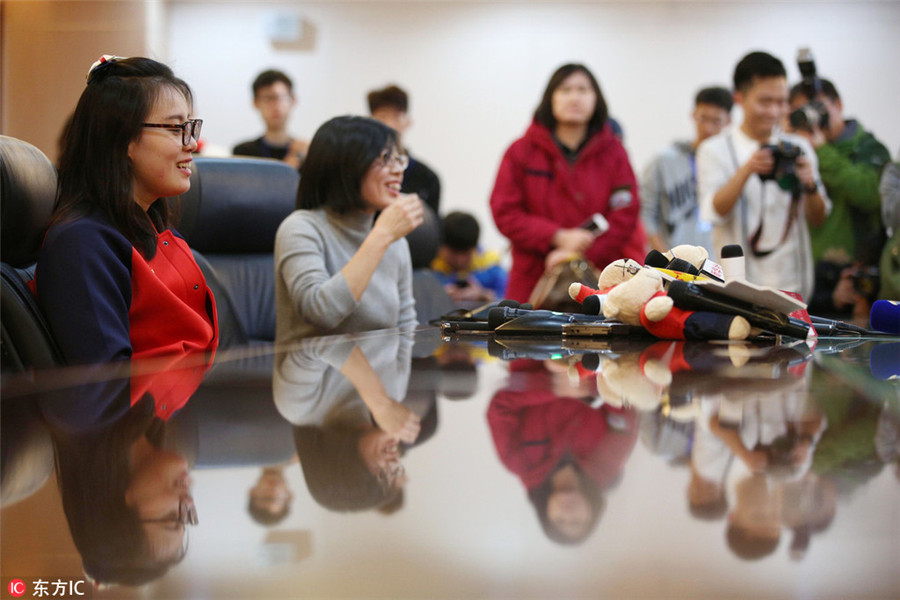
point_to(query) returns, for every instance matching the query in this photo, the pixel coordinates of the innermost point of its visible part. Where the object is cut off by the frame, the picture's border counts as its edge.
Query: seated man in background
(468, 274)
(669, 184)
(390, 106)
(273, 97)
(847, 246)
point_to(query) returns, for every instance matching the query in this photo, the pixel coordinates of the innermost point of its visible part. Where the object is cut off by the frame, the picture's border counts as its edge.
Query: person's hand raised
(402, 216)
(761, 162)
(396, 420)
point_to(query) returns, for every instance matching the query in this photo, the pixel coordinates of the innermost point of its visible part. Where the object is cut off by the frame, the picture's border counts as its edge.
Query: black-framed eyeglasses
(189, 129)
(389, 474)
(187, 514)
(390, 160)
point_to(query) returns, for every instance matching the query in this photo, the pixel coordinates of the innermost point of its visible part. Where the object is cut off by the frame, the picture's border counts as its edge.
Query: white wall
(475, 71)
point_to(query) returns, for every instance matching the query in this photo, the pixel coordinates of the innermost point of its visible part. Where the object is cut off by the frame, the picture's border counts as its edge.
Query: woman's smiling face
(161, 163)
(381, 183)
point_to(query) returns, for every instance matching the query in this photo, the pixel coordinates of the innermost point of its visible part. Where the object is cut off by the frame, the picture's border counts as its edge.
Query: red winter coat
(533, 429)
(538, 192)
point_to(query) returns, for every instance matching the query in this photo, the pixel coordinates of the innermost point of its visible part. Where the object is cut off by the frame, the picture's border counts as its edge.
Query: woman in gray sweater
(337, 269)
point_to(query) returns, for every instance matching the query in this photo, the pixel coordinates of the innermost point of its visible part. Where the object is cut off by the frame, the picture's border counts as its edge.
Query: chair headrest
(235, 205)
(27, 196)
(425, 239)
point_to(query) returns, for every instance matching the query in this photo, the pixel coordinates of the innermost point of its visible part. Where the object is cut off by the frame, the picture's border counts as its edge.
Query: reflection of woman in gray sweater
(332, 389)
(336, 271)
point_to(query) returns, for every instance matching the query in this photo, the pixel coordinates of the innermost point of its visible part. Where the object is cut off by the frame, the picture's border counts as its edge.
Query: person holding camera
(759, 186)
(846, 247)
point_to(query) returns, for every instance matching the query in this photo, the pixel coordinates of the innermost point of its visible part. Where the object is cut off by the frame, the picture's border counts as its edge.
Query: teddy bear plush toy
(612, 275)
(641, 300)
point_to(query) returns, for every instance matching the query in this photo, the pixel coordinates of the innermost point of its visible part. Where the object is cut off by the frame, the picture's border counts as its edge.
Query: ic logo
(16, 588)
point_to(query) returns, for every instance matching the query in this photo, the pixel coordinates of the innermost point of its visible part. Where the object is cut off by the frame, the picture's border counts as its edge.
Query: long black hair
(94, 472)
(340, 154)
(544, 112)
(95, 172)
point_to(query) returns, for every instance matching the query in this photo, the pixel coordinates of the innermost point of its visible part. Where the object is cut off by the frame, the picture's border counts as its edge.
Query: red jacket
(538, 192)
(533, 429)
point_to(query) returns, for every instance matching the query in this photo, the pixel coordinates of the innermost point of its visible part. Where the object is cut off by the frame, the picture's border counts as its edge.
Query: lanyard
(753, 240)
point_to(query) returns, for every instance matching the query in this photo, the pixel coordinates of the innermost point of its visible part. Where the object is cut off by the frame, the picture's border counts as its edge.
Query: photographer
(847, 245)
(758, 186)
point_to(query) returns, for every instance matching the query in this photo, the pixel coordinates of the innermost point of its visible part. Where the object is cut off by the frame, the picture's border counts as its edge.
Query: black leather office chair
(230, 216)
(431, 299)
(27, 195)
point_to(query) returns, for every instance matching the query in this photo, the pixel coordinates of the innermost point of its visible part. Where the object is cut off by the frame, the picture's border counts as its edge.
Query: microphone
(713, 270)
(828, 328)
(688, 296)
(708, 270)
(683, 266)
(454, 326)
(656, 259)
(885, 316)
(733, 262)
(517, 321)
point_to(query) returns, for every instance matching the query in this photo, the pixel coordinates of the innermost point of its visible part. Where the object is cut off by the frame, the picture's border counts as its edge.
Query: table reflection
(567, 452)
(124, 482)
(350, 426)
(767, 439)
(559, 452)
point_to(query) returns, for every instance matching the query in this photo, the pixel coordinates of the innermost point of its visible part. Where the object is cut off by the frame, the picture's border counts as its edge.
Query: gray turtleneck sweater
(312, 296)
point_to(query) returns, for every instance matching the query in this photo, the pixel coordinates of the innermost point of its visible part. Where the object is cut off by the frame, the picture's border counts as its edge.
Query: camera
(785, 155)
(866, 282)
(814, 113)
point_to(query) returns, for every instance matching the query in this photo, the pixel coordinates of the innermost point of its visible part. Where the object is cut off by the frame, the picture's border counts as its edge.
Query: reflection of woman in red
(123, 475)
(125, 490)
(566, 453)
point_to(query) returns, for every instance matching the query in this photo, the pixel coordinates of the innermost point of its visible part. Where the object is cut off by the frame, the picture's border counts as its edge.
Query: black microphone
(829, 328)
(682, 266)
(454, 326)
(499, 315)
(656, 259)
(517, 321)
(688, 296)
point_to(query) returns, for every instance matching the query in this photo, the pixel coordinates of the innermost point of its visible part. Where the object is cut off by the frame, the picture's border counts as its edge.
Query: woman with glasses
(123, 480)
(338, 268)
(568, 168)
(113, 279)
(345, 399)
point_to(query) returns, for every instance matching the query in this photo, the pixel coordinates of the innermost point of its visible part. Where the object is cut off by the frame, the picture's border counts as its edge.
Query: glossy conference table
(603, 469)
